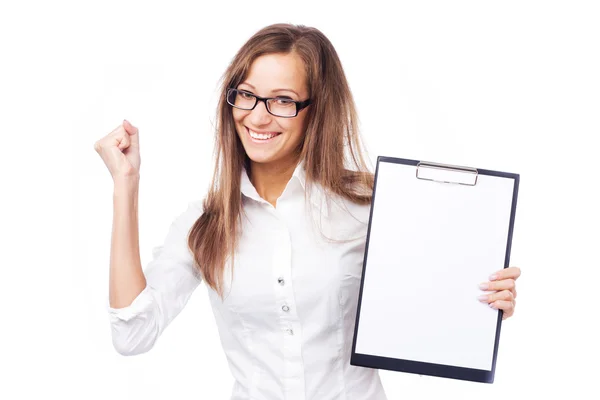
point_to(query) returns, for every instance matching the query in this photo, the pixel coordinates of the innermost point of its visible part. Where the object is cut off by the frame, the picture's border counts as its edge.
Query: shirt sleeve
(170, 281)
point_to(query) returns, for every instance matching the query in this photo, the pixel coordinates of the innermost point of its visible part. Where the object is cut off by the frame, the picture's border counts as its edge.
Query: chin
(260, 157)
(262, 153)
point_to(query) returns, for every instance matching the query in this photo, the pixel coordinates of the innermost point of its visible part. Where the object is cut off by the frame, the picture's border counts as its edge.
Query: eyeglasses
(277, 106)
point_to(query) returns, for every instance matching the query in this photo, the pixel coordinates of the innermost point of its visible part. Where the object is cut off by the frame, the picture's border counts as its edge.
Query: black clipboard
(431, 225)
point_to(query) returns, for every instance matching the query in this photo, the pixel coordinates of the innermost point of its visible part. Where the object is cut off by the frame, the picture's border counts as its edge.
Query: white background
(507, 85)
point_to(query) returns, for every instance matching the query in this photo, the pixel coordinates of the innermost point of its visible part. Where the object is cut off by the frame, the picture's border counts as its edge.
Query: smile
(261, 137)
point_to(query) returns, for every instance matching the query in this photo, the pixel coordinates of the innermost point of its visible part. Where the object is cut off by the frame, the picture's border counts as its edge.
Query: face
(266, 138)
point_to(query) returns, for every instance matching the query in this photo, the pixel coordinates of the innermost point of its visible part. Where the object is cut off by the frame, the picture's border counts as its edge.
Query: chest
(297, 260)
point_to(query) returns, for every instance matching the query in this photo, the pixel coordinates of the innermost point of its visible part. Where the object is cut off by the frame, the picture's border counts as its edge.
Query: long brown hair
(332, 150)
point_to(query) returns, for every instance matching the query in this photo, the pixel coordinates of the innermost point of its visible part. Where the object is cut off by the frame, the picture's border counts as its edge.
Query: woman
(279, 239)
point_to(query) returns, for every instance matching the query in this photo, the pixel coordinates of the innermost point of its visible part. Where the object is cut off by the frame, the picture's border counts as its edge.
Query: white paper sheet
(431, 244)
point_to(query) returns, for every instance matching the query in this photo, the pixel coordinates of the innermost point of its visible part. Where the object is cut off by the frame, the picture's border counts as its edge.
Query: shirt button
(285, 308)
(281, 281)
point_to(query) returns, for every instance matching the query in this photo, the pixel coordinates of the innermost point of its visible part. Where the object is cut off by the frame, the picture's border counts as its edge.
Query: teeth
(261, 135)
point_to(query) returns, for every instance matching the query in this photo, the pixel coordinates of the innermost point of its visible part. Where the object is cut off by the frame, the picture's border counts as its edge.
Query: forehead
(278, 71)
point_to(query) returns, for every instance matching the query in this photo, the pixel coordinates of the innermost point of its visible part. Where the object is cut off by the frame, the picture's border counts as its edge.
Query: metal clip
(442, 171)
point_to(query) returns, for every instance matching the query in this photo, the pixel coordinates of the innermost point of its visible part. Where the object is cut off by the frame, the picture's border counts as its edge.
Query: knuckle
(118, 131)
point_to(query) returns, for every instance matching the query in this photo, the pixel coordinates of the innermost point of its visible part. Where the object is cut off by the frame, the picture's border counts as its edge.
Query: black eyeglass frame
(300, 105)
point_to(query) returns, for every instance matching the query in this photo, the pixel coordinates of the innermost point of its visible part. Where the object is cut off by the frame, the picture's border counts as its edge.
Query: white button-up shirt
(287, 319)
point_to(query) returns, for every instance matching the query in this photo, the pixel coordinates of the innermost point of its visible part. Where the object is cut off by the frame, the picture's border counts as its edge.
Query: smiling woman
(283, 294)
(278, 96)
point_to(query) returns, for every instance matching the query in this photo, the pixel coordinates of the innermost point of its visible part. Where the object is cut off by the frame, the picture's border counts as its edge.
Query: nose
(260, 116)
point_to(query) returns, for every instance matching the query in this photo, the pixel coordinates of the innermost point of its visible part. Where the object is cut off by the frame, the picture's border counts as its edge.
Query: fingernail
(493, 277)
(125, 121)
(483, 286)
(482, 297)
(492, 305)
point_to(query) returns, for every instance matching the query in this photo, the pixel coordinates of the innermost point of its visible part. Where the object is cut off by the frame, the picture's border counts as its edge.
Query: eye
(282, 101)
(245, 95)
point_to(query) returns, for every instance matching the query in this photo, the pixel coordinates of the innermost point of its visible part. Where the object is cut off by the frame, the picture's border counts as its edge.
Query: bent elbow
(133, 339)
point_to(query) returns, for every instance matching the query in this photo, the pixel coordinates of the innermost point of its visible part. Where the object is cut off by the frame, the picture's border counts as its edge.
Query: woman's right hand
(120, 151)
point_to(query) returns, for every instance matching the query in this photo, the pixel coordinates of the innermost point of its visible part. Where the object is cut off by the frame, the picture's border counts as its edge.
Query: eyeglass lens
(279, 106)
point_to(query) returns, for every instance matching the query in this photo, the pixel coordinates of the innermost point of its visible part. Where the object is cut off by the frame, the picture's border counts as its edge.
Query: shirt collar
(317, 195)
(300, 174)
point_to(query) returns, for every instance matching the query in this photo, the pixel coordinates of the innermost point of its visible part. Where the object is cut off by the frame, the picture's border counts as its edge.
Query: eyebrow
(274, 91)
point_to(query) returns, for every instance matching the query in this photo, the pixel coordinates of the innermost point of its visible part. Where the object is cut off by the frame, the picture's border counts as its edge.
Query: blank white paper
(431, 244)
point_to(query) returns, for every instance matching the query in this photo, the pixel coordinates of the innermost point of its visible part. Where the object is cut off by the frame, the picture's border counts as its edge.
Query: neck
(271, 179)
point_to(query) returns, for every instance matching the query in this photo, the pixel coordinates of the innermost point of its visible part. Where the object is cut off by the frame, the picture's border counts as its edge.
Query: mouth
(261, 137)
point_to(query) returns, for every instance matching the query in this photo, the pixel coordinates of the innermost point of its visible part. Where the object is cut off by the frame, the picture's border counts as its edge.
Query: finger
(507, 307)
(110, 140)
(117, 132)
(504, 305)
(133, 132)
(124, 142)
(113, 139)
(498, 285)
(501, 295)
(506, 273)
(128, 126)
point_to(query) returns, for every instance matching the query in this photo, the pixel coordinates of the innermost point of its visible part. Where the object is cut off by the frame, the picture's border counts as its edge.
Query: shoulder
(188, 215)
(344, 211)
(355, 201)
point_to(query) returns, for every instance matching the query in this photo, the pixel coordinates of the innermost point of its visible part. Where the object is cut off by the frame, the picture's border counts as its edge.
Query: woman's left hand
(503, 283)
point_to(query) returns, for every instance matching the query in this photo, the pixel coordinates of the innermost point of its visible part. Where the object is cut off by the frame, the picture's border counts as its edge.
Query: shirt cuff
(141, 303)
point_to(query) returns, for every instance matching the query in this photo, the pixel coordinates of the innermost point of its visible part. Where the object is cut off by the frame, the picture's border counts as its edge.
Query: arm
(169, 281)
(126, 278)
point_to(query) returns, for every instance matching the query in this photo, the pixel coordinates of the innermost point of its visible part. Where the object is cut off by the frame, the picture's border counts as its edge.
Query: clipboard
(436, 231)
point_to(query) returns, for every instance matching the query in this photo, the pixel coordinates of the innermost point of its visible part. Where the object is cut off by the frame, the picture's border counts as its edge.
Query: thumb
(133, 133)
